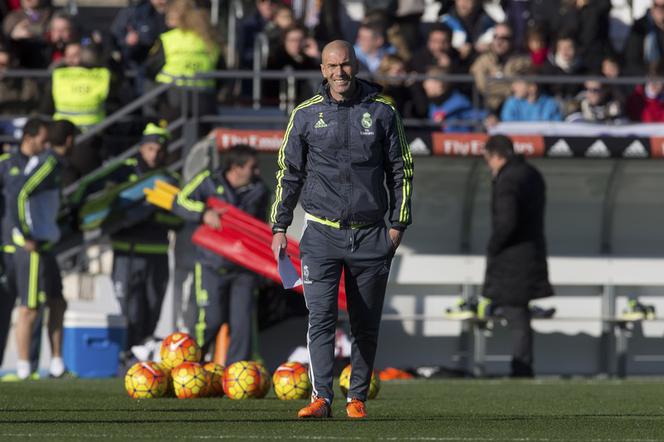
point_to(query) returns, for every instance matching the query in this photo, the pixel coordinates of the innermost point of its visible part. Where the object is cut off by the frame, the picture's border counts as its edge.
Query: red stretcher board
(247, 241)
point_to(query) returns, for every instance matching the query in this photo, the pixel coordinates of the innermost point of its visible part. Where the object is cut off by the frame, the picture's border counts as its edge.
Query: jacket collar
(365, 90)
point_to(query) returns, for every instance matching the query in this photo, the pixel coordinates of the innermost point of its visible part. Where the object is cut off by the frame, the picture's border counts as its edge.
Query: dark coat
(516, 269)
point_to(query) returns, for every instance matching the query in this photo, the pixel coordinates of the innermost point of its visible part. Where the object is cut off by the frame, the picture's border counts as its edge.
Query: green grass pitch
(427, 410)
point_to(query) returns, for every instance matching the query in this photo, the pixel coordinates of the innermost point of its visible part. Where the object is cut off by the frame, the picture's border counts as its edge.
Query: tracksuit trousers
(224, 298)
(139, 282)
(364, 255)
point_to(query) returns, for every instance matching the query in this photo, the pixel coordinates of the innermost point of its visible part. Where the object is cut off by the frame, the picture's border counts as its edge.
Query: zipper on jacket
(349, 212)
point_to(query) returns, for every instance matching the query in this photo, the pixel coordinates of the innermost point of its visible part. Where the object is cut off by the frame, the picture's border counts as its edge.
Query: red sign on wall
(262, 140)
(466, 145)
(657, 147)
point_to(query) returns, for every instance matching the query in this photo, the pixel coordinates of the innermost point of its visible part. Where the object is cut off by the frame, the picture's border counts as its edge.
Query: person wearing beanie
(140, 247)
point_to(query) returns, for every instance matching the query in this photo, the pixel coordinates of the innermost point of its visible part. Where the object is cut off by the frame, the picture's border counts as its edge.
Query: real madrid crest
(366, 120)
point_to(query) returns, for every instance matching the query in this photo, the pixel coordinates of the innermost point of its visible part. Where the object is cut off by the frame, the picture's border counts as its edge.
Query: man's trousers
(139, 282)
(364, 255)
(225, 297)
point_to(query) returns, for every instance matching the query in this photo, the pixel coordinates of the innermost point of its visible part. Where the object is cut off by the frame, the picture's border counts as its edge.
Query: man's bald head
(338, 45)
(339, 67)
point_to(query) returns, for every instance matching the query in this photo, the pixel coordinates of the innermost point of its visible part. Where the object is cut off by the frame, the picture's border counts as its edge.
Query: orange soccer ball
(242, 380)
(178, 348)
(291, 381)
(146, 380)
(216, 377)
(190, 380)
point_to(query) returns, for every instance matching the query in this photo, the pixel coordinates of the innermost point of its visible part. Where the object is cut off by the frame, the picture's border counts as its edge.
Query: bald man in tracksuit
(345, 151)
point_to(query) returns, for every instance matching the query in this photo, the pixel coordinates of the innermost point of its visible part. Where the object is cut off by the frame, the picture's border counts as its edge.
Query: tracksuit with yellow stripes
(12, 178)
(140, 255)
(33, 208)
(351, 163)
(224, 291)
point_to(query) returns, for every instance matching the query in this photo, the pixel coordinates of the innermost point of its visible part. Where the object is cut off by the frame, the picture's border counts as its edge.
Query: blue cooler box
(92, 343)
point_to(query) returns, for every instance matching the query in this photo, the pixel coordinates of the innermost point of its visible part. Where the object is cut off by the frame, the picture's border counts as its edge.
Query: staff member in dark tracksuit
(516, 269)
(224, 292)
(140, 250)
(341, 148)
(12, 167)
(33, 206)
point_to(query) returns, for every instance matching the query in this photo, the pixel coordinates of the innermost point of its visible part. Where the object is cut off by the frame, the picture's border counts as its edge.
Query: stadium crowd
(493, 41)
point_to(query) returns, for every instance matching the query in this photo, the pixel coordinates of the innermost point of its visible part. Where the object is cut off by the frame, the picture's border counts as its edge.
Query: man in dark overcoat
(516, 267)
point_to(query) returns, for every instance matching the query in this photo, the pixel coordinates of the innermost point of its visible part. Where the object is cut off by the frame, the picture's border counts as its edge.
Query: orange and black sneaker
(318, 408)
(355, 409)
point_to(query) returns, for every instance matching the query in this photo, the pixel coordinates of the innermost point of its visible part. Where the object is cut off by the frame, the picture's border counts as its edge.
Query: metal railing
(235, 14)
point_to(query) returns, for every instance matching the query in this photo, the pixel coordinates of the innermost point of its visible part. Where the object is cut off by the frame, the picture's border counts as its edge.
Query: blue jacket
(341, 155)
(544, 109)
(457, 107)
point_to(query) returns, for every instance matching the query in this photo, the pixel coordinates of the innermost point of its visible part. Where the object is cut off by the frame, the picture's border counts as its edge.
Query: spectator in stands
(325, 20)
(390, 30)
(610, 67)
(398, 89)
(597, 104)
(444, 104)
(527, 103)
(645, 43)
(189, 48)
(588, 22)
(251, 26)
(646, 104)
(61, 30)
(516, 270)
(291, 54)
(564, 62)
(282, 20)
(518, 16)
(498, 62)
(80, 88)
(409, 20)
(438, 52)
(18, 96)
(371, 47)
(470, 27)
(135, 30)
(538, 47)
(26, 29)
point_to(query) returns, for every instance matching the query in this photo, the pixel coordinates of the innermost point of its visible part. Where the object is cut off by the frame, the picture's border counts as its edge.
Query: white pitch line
(305, 437)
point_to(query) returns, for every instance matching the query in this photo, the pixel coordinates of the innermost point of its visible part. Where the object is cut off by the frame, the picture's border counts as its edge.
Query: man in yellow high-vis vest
(80, 92)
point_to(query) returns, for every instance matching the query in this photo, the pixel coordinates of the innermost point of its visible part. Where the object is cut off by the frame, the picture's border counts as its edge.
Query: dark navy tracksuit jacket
(350, 166)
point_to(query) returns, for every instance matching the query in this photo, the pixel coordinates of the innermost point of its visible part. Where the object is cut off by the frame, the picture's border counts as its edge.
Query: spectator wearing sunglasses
(498, 62)
(598, 104)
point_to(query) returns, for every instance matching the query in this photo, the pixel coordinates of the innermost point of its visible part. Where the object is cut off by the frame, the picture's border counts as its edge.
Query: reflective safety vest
(79, 94)
(186, 54)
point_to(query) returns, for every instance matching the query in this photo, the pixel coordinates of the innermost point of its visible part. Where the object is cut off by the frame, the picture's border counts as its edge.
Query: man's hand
(21, 30)
(279, 244)
(30, 245)
(212, 219)
(395, 236)
(131, 38)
